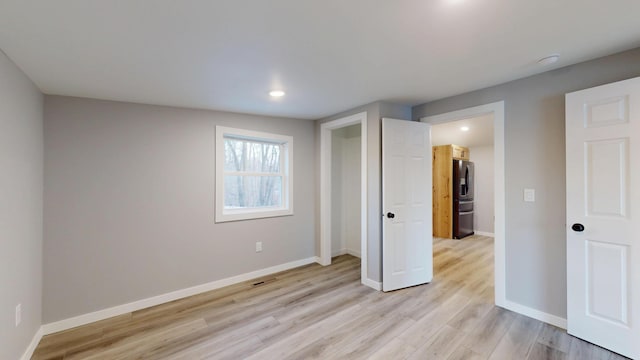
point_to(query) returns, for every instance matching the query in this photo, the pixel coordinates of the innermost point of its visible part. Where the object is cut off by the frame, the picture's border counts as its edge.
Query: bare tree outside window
(253, 176)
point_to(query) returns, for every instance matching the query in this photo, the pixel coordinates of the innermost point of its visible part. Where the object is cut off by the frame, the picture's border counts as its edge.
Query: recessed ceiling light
(464, 128)
(276, 93)
(551, 59)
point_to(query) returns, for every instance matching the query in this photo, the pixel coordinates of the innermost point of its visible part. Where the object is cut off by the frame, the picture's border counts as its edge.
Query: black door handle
(391, 215)
(577, 227)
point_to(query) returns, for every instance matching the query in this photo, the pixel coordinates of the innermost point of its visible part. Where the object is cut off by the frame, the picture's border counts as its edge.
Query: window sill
(251, 214)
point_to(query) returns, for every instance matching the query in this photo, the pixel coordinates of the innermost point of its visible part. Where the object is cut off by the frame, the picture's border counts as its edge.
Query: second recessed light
(464, 128)
(551, 59)
(276, 93)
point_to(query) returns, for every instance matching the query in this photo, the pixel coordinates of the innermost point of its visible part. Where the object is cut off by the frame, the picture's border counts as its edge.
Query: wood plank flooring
(316, 312)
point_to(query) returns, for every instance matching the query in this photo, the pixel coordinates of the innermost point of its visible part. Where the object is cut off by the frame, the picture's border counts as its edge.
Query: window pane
(252, 191)
(251, 156)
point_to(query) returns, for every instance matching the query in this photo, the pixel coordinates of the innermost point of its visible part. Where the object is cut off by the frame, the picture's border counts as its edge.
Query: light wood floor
(324, 313)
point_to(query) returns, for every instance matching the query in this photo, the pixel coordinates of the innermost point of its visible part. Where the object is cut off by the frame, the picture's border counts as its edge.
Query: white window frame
(286, 161)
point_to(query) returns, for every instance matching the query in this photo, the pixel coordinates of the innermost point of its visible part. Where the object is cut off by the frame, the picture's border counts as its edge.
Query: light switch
(529, 195)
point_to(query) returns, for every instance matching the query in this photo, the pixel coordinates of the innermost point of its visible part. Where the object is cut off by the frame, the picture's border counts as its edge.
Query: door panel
(606, 270)
(603, 258)
(398, 247)
(407, 194)
(606, 112)
(606, 177)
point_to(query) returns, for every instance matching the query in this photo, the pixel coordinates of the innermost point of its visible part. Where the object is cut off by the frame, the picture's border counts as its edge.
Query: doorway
(339, 233)
(495, 110)
(473, 140)
(346, 144)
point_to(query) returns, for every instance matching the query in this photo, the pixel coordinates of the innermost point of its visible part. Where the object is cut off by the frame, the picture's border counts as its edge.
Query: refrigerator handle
(466, 180)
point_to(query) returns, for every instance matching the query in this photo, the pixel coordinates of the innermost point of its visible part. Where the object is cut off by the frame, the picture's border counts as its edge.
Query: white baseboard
(339, 252)
(353, 253)
(28, 353)
(534, 314)
(344, 252)
(376, 285)
(164, 298)
(484, 233)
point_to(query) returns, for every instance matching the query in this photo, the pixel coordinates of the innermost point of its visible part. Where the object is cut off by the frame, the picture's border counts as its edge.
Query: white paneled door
(406, 202)
(603, 220)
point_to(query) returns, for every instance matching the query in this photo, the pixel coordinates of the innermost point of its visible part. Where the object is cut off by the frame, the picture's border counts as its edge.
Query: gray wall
(535, 153)
(483, 201)
(129, 204)
(375, 112)
(20, 208)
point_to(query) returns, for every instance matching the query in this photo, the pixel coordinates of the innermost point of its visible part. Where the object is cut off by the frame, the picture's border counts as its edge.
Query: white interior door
(407, 258)
(603, 192)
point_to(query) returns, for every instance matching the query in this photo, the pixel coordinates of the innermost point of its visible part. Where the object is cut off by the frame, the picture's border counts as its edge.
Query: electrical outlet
(18, 314)
(529, 195)
(258, 246)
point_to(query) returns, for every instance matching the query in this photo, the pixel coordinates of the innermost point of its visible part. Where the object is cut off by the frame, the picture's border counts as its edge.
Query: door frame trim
(325, 191)
(497, 109)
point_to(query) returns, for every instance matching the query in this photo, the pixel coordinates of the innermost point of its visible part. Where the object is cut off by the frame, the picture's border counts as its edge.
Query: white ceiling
(328, 55)
(480, 132)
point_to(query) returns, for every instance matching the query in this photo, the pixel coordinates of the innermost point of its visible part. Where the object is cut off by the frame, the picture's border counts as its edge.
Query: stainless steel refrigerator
(462, 198)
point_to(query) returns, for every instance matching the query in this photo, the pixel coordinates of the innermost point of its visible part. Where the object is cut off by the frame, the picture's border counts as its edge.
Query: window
(253, 174)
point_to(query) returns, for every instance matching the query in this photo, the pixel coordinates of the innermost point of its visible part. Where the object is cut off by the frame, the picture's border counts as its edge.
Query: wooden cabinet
(459, 152)
(443, 157)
